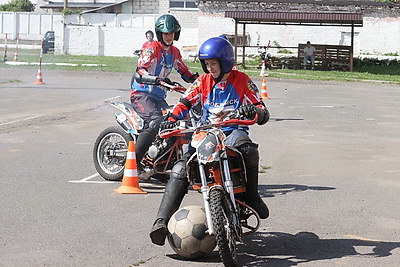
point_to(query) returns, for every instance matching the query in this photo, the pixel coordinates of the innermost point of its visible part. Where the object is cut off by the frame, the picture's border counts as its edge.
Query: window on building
(182, 4)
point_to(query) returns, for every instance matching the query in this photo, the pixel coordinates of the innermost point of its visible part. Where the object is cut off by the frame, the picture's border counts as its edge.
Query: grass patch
(333, 76)
(364, 70)
(11, 81)
(109, 64)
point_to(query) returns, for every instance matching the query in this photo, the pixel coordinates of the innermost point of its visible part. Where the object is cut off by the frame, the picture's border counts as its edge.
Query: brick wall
(145, 6)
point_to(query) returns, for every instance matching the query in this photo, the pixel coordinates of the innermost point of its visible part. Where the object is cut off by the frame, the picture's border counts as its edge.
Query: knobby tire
(223, 230)
(124, 138)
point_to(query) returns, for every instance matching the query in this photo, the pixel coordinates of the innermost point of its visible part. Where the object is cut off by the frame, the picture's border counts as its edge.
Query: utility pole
(65, 4)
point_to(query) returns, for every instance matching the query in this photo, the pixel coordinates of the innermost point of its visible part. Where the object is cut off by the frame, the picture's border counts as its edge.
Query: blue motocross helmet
(219, 48)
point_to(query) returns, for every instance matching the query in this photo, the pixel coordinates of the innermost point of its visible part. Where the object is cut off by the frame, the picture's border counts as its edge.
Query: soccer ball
(187, 233)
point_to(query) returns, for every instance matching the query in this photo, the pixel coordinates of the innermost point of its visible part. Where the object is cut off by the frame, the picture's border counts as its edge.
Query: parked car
(48, 42)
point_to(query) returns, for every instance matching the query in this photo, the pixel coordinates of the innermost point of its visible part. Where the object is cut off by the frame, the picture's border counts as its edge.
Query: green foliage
(391, 54)
(18, 6)
(66, 11)
(284, 51)
(376, 66)
(280, 49)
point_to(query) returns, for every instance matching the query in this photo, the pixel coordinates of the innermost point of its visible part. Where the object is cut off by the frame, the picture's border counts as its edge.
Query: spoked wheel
(109, 153)
(223, 227)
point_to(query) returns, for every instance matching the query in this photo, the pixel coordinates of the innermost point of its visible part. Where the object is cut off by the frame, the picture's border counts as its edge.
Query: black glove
(167, 125)
(193, 77)
(248, 111)
(167, 80)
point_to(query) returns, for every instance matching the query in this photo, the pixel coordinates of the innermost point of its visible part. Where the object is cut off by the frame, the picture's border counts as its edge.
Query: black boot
(172, 198)
(143, 142)
(251, 197)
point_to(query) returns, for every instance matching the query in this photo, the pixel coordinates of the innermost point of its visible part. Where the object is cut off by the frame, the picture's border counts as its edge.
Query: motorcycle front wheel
(223, 227)
(109, 153)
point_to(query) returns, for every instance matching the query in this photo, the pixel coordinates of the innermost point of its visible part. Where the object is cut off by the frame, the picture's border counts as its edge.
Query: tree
(18, 6)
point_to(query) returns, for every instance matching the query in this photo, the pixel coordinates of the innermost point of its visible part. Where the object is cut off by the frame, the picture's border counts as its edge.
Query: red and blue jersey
(219, 99)
(157, 61)
(146, 44)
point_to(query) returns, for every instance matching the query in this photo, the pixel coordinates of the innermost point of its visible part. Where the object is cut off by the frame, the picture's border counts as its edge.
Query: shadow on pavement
(283, 189)
(282, 249)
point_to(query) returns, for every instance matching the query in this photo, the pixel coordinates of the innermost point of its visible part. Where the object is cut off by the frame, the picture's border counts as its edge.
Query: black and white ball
(187, 233)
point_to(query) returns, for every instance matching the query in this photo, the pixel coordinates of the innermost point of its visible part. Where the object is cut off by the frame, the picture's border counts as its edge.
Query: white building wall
(27, 25)
(379, 35)
(111, 40)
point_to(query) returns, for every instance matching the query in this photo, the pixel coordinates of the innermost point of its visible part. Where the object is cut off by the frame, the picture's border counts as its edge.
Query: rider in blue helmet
(219, 92)
(221, 49)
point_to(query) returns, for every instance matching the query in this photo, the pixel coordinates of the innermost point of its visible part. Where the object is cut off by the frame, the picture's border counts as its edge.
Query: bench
(328, 57)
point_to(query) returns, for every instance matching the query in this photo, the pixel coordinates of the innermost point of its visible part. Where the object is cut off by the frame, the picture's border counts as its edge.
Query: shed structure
(295, 18)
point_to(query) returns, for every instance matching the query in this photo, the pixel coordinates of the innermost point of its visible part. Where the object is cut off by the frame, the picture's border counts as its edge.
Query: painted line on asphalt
(25, 119)
(389, 171)
(87, 180)
(115, 97)
(323, 106)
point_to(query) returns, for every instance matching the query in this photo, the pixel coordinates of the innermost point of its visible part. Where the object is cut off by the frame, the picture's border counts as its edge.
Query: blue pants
(311, 58)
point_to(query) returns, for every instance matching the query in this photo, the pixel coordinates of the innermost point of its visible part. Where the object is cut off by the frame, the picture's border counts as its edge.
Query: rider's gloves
(193, 77)
(248, 111)
(166, 80)
(167, 125)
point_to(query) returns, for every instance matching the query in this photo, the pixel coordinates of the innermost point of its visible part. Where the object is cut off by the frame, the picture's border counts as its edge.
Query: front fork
(205, 189)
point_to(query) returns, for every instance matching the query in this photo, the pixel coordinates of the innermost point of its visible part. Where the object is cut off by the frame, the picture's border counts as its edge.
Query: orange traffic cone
(263, 71)
(264, 93)
(130, 181)
(16, 52)
(39, 79)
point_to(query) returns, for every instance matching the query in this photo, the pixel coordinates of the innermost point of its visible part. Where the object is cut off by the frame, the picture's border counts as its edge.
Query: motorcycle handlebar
(182, 131)
(174, 86)
(154, 80)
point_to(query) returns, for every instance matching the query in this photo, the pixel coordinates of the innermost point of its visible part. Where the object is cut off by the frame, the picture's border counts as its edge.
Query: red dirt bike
(265, 58)
(111, 146)
(218, 172)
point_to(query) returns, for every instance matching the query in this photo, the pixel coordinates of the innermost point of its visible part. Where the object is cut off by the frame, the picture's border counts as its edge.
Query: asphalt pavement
(330, 160)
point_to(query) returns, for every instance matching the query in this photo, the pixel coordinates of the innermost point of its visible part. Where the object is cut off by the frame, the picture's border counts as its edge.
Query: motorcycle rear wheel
(224, 233)
(109, 153)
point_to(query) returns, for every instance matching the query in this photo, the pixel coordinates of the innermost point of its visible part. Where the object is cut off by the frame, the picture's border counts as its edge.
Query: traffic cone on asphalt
(5, 59)
(264, 93)
(263, 71)
(16, 52)
(130, 181)
(39, 79)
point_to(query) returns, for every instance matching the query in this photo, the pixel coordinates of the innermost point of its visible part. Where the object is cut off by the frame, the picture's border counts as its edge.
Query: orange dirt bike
(111, 146)
(218, 172)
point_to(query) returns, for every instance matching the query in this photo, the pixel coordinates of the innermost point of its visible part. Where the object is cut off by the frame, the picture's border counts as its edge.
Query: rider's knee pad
(250, 154)
(179, 170)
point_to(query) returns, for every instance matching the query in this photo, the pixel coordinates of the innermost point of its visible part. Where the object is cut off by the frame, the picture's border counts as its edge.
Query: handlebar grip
(146, 79)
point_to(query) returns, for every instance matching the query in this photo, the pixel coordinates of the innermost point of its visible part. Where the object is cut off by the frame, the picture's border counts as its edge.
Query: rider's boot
(142, 144)
(251, 197)
(174, 192)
